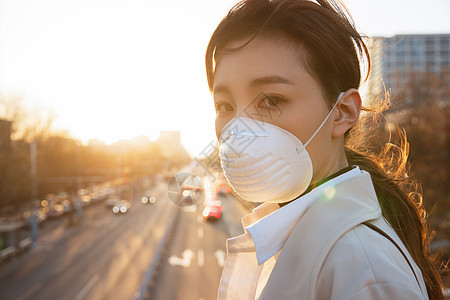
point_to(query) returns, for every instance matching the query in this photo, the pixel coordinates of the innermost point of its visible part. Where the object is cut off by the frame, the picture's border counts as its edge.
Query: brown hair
(333, 53)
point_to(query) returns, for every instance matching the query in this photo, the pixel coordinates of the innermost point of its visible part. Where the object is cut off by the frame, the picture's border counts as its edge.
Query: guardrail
(13, 250)
(149, 280)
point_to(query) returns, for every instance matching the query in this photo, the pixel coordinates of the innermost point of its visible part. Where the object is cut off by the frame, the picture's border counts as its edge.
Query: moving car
(222, 187)
(121, 207)
(212, 212)
(148, 199)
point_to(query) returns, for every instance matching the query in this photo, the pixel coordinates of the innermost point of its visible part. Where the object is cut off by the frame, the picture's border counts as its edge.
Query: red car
(212, 212)
(223, 188)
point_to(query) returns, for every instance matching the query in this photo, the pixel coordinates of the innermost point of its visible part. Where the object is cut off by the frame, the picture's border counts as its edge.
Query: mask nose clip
(228, 135)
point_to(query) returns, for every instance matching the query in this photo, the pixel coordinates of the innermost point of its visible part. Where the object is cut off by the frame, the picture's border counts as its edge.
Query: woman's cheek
(220, 123)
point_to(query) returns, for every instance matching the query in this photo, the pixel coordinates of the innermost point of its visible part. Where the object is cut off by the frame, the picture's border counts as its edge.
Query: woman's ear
(347, 112)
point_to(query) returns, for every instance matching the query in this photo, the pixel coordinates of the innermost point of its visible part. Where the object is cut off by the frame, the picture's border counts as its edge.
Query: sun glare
(112, 80)
(120, 69)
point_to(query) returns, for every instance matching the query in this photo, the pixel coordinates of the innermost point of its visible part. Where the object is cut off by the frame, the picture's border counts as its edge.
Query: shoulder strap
(375, 228)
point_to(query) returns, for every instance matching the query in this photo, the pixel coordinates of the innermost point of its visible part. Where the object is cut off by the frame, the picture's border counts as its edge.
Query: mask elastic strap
(321, 125)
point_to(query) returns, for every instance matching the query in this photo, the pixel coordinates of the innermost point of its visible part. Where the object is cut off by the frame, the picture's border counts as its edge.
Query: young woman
(336, 222)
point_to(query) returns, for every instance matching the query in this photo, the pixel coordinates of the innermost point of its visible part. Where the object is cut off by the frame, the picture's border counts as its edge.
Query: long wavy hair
(335, 53)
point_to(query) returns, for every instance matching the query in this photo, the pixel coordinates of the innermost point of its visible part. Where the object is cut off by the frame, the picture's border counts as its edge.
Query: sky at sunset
(115, 70)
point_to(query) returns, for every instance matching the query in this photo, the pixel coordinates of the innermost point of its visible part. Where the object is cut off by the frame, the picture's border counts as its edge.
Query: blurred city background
(110, 186)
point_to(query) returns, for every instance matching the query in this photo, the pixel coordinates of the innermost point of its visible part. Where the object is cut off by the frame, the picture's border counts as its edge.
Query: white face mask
(263, 162)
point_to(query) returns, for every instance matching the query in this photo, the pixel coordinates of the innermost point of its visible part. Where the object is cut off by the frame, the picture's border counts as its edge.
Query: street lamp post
(34, 194)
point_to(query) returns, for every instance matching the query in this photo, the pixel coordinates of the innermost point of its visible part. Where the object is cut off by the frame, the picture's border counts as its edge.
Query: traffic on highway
(138, 240)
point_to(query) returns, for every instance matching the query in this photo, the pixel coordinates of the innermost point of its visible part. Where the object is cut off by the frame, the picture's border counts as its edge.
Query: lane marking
(200, 232)
(201, 258)
(199, 219)
(184, 261)
(191, 208)
(87, 287)
(31, 291)
(220, 256)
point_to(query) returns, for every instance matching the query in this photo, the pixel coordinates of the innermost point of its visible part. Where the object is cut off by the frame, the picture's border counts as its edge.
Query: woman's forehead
(262, 57)
(262, 39)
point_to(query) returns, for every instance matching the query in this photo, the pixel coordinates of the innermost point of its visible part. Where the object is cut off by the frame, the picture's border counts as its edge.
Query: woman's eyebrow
(270, 80)
(220, 89)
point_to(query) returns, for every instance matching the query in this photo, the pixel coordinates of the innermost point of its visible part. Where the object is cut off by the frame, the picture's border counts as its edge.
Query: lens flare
(329, 193)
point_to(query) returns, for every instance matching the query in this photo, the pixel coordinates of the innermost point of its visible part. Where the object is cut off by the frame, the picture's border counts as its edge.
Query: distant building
(170, 140)
(170, 143)
(5, 136)
(413, 68)
(96, 143)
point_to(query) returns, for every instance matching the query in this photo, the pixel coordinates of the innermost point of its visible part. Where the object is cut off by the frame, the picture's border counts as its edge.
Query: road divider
(149, 280)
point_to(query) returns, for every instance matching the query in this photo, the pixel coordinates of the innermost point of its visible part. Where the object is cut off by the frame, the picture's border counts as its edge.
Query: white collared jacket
(317, 248)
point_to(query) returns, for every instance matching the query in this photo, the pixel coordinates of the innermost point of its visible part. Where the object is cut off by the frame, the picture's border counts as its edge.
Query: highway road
(192, 267)
(103, 258)
(107, 255)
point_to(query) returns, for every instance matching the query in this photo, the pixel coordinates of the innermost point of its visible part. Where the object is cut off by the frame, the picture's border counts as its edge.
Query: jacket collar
(354, 202)
(270, 226)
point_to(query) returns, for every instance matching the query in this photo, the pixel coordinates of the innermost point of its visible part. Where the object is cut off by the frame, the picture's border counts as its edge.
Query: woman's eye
(223, 107)
(269, 101)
